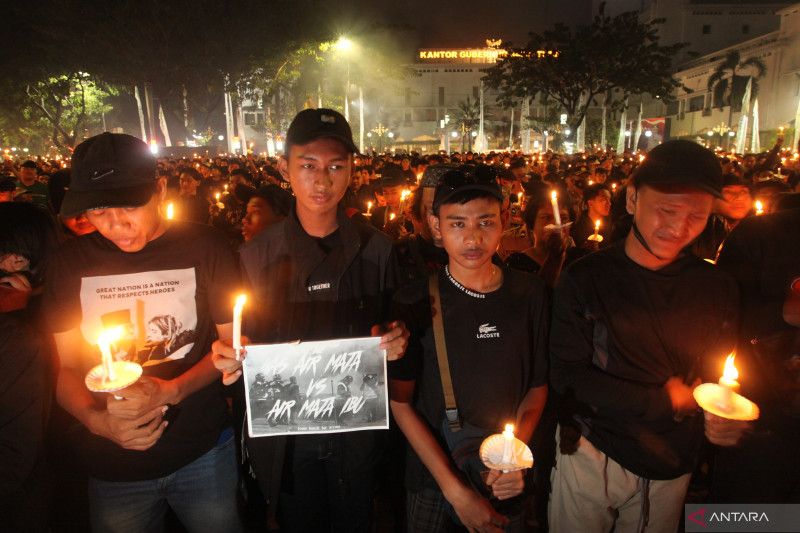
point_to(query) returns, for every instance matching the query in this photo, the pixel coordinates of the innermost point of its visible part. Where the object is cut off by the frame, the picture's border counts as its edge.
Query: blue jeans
(202, 494)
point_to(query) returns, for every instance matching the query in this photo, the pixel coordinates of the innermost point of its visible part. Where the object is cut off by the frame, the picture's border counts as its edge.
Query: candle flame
(510, 428)
(369, 205)
(241, 300)
(553, 195)
(170, 211)
(107, 336)
(759, 207)
(216, 197)
(730, 373)
(392, 216)
(404, 195)
(597, 225)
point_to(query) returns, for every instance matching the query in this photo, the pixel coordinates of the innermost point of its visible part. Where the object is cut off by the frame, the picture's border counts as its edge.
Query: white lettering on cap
(329, 119)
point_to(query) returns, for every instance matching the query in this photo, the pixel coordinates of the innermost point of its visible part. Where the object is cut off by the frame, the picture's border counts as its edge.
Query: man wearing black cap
(495, 329)
(317, 275)
(635, 327)
(167, 441)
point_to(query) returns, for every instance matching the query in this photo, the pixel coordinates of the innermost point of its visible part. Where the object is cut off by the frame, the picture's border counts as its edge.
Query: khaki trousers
(592, 493)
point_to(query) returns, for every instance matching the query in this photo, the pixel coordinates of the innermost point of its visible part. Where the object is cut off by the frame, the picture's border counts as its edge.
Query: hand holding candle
(722, 399)
(110, 375)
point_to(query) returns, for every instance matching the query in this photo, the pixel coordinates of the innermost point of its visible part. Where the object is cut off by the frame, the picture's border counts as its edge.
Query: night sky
(463, 23)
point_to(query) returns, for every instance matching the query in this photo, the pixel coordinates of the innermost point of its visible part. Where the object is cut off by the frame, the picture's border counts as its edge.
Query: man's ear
(436, 230)
(631, 196)
(283, 167)
(161, 188)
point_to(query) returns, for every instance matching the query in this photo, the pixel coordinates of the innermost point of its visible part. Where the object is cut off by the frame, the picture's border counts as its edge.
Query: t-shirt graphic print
(155, 312)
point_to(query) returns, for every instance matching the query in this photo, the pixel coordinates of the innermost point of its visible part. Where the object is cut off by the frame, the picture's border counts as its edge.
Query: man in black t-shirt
(495, 333)
(635, 327)
(167, 441)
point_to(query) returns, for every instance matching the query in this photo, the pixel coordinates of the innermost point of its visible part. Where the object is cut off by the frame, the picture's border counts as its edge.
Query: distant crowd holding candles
(630, 321)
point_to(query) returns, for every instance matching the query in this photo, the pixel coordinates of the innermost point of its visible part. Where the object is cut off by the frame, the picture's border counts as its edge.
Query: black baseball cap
(433, 173)
(311, 124)
(467, 178)
(110, 170)
(681, 162)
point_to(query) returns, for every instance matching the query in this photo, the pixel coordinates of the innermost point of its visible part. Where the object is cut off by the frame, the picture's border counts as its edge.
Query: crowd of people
(581, 297)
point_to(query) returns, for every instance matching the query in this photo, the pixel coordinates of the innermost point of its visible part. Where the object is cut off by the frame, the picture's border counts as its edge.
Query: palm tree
(727, 84)
(467, 116)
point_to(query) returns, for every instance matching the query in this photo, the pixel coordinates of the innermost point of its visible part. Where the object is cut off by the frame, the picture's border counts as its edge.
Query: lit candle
(759, 207)
(556, 211)
(519, 198)
(613, 187)
(596, 229)
(216, 197)
(728, 383)
(369, 208)
(392, 216)
(226, 187)
(170, 211)
(237, 324)
(104, 343)
(508, 444)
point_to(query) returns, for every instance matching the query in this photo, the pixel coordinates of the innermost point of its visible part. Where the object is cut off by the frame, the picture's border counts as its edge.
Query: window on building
(476, 92)
(697, 103)
(249, 119)
(745, 28)
(441, 96)
(706, 29)
(672, 108)
(408, 95)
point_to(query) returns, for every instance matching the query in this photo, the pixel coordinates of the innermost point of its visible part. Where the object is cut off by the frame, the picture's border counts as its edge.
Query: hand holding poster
(316, 387)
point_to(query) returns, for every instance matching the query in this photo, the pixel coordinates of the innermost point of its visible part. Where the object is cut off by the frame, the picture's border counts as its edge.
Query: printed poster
(156, 312)
(329, 386)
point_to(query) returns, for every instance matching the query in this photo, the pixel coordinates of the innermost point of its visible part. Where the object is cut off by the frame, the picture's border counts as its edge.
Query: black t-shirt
(167, 298)
(496, 347)
(619, 331)
(763, 254)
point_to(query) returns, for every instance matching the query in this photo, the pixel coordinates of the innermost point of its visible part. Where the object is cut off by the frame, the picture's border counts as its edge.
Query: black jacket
(314, 289)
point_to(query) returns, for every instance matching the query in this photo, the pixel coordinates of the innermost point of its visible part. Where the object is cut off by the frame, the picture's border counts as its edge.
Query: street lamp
(345, 46)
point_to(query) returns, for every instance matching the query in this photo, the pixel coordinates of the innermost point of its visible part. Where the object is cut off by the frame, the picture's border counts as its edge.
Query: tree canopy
(611, 58)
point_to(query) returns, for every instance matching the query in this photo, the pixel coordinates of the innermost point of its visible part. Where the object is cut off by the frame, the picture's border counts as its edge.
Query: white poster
(156, 311)
(316, 387)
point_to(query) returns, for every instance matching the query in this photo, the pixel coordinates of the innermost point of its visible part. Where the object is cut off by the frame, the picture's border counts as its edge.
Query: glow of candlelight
(104, 341)
(369, 208)
(238, 307)
(596, 227)
(728, 382)
(392, 216)
(519, 198)
(759, 207)
(556, 211)
(170, 211)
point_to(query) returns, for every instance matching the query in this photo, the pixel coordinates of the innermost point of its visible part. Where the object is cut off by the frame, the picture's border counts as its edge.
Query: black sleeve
(409, 305)
(224, 280)
(24, 402)
(62, 306)
(540, 325)
(571, 353)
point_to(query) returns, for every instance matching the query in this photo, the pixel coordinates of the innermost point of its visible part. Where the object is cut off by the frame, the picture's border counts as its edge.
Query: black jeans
(325, 490)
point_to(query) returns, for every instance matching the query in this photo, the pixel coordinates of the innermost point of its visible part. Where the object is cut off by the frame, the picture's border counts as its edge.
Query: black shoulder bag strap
(450, 406)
